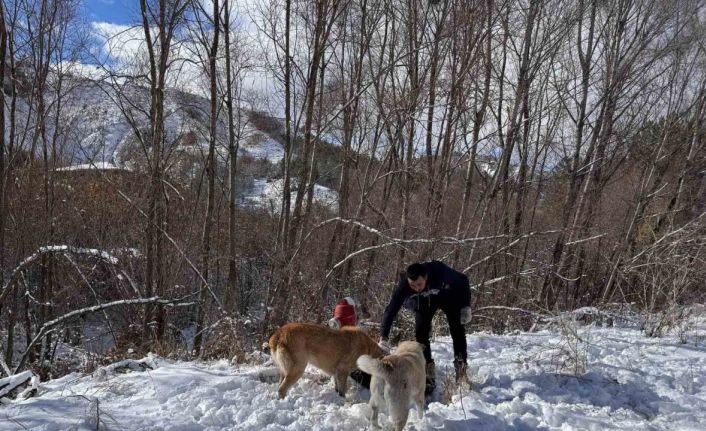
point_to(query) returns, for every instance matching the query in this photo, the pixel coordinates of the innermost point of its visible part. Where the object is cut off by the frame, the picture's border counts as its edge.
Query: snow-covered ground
(267, 194)
(261, 146)
(521, 382)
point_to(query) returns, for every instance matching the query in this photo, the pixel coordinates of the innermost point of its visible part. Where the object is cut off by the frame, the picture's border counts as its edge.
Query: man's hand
(385, 345)
(465, 315)
(334, 324)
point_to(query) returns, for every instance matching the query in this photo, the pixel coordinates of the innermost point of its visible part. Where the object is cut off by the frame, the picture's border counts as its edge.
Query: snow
(267, 194)
(10, 383)
(102, 166)
(520, 383)
(263, 146)
(79, 250)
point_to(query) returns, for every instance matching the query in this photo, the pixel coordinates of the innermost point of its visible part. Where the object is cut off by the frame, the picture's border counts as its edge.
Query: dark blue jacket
(446, 288)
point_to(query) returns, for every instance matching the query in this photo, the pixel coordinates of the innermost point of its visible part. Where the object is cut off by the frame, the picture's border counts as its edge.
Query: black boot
(363, 379)
(431, 378)
(460, 367)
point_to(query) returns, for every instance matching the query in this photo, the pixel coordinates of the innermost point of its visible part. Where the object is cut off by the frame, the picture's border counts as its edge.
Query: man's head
(417, 276)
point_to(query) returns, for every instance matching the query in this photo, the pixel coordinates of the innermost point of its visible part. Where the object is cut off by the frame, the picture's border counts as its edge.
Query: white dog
(399, 378)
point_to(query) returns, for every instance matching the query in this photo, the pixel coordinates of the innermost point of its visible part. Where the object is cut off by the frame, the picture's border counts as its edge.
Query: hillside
(96, 119)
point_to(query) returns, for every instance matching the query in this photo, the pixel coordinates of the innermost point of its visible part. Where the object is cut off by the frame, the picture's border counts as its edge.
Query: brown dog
(334, 351)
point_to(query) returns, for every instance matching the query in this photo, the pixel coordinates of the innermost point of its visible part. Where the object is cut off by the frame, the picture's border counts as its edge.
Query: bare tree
(166, 18)
(211, 172)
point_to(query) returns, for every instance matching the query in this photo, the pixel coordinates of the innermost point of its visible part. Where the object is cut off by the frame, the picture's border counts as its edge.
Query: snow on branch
(55, 249)
(9, 384)
(397, 242)
(85, 251)
(450, 240)
(50, 250)
(389, 241)
(48, 326)
(501, 278)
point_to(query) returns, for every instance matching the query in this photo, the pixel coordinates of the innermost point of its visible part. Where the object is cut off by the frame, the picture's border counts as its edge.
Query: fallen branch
(9, 384)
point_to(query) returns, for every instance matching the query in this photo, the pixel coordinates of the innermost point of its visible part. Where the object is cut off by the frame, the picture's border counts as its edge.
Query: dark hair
(416, 270)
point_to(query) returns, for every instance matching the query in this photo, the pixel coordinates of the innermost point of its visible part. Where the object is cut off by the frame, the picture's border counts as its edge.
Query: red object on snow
(345, 313)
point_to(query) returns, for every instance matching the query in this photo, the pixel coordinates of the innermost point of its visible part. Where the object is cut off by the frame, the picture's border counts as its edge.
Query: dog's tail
(280, 355)
(272, 343)
(374, 367)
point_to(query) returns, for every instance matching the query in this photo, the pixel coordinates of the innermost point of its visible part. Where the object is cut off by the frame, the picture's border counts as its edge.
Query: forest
(185, 183)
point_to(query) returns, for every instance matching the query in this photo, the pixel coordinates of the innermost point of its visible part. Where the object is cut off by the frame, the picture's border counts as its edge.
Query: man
(424, 288)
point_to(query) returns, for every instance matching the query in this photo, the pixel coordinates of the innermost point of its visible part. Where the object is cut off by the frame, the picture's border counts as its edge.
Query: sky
(113, 11)
(116, 23)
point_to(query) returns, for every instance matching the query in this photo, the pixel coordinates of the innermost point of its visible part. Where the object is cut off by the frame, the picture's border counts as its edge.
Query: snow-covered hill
(522, 382)
(95, 122)
(96, 133)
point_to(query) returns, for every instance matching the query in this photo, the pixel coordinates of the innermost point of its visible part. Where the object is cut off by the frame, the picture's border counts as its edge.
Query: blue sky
(115, 11)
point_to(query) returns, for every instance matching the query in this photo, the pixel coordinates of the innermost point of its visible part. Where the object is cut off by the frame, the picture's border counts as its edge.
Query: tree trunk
(3, 174)
(233, 146)
(211, 170)
(553, 280)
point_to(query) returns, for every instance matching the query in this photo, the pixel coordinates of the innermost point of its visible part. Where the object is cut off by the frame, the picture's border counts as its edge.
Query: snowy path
(632, 383)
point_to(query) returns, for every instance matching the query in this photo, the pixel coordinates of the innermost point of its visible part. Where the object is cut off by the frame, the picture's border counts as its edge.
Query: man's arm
(460, 285)
(398, 297)
(460, 292)
(464, 290)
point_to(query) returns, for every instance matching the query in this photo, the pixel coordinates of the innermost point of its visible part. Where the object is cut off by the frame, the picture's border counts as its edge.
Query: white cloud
(121, 43)
(123, 48)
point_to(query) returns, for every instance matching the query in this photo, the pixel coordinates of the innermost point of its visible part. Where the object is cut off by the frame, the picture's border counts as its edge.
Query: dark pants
(363, 379)
(422, 329)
